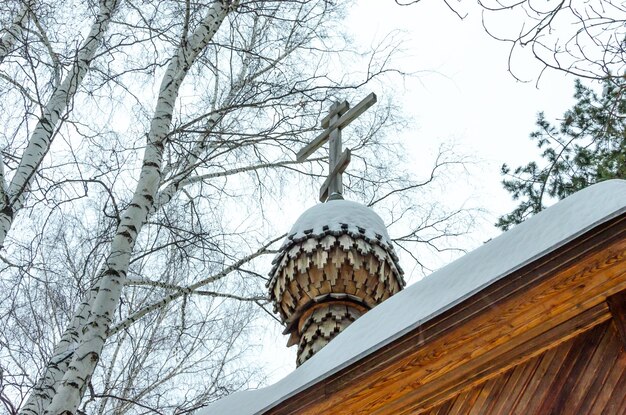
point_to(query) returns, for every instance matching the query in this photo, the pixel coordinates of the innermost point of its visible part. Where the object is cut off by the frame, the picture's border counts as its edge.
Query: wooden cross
(338, 117)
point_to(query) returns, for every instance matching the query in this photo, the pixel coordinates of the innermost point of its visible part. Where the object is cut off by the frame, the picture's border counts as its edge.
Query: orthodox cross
(339, 116)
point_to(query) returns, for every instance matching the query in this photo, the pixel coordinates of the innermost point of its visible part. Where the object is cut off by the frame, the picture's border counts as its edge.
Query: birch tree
(147, 147)
(12, 194)
(13, 32)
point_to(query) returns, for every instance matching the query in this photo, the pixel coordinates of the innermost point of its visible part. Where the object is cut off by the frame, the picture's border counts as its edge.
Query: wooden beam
(358, 109)
(340, 167)
(335, 109)
(551, 383)
(617, 306)
(573, 365)
(495, 361)
(343, 121)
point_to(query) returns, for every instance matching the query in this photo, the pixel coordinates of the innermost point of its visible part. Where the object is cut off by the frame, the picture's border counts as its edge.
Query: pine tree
(587, 146)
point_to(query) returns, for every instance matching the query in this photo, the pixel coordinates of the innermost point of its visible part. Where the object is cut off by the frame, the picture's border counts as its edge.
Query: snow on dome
(341, 216)
(336, 218)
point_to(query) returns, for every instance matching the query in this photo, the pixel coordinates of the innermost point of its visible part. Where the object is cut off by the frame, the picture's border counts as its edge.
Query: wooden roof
(476, 323)
(584, 375)
(552, 315)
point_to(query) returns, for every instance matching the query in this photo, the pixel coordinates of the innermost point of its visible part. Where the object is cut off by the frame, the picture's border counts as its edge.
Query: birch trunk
(14, 31)
(42, 136)
(96, 330)
(41, 395)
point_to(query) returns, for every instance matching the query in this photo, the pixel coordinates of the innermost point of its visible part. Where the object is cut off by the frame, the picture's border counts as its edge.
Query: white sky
(462, 93)
(465, 93)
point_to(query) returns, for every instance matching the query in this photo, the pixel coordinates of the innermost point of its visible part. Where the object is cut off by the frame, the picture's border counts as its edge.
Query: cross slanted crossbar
(338, 117)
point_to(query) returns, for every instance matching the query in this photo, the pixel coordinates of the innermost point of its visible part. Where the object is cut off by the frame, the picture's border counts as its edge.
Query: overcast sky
(463, 93)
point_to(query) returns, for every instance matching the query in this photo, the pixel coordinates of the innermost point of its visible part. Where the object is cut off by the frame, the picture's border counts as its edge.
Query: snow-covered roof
(424, 300)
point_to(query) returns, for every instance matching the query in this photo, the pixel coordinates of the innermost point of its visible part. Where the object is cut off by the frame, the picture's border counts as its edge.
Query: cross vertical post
(335, 187)
(339, 116)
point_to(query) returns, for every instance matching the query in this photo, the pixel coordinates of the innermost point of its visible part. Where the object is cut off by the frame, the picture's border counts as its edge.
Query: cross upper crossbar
(338, 108)
(343, 121)
(338, 117)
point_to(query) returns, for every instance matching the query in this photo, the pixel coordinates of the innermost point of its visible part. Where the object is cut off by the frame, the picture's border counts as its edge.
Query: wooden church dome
(335, 265)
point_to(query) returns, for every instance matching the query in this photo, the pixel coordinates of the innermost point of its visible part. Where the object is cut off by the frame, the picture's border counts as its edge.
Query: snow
(440, 291)
(335, 213)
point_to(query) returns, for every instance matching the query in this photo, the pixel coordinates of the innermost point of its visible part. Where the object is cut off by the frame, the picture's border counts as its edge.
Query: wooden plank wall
(585, 375)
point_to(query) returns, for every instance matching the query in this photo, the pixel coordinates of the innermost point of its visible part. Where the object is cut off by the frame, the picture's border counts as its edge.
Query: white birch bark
(96, 330)
(14, 31)
(41, 395)
(3, 185)
(41, 138)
